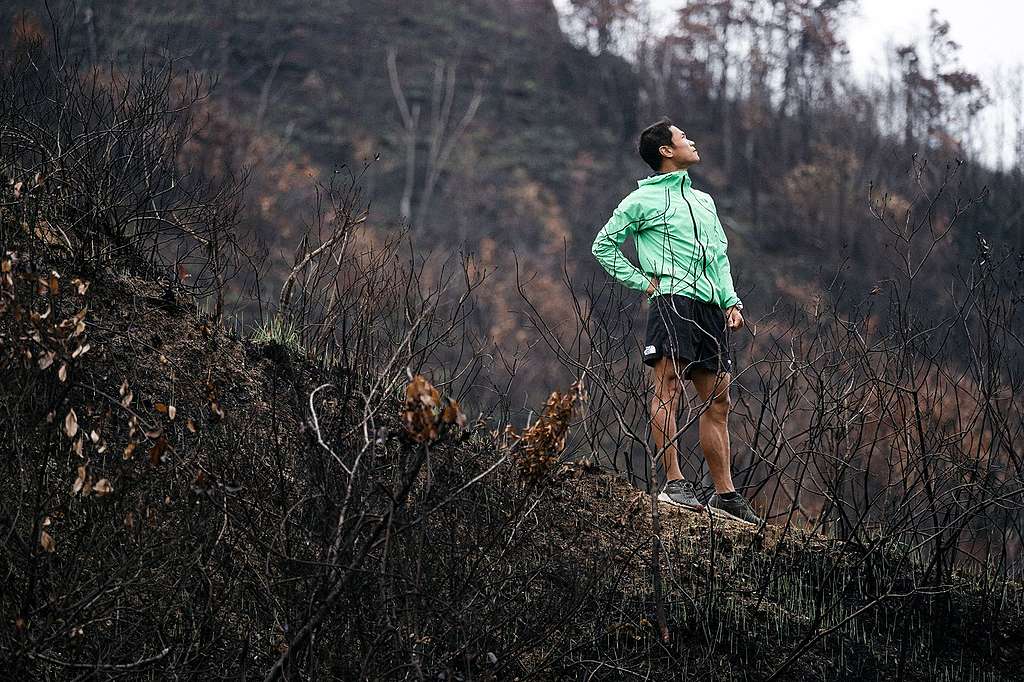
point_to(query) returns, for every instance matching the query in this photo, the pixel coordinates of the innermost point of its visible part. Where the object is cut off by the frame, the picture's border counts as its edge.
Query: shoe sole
(664, 497)
(721, 513)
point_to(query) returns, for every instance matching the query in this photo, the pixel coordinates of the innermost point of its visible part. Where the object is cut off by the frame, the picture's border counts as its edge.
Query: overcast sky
(988, 31)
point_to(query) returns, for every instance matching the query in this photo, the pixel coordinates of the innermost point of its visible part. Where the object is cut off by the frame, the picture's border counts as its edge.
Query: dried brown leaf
(71, 424)
(158, 451)
(77, 486)
(453, 414)
(418, 411)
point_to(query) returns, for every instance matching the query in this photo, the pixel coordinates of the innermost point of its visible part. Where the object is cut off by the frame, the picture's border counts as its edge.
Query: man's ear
(670, 151)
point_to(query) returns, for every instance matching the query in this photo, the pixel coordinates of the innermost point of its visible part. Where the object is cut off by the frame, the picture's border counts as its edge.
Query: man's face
(684, 151)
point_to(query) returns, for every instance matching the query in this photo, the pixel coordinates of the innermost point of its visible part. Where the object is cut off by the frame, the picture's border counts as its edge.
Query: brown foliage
(422, 413)
(540, 445)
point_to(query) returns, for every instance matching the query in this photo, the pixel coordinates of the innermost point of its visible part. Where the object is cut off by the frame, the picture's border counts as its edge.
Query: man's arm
(606, 248)
(727, 297)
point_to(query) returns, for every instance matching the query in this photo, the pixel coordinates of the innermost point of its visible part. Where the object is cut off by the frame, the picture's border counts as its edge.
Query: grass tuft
(279, 336)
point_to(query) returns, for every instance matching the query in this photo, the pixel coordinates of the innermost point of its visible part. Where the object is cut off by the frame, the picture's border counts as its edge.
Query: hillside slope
(223, 542)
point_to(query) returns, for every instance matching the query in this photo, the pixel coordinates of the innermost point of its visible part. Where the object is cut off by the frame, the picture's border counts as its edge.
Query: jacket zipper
(696, 238)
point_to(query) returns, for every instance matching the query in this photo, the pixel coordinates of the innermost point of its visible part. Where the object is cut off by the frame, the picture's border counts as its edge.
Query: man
(685, 272)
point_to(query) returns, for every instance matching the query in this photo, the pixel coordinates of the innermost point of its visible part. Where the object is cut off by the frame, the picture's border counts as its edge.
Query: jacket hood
(671, 177)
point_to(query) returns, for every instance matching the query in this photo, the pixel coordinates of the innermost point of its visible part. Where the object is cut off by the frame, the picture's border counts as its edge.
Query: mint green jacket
(679, 240)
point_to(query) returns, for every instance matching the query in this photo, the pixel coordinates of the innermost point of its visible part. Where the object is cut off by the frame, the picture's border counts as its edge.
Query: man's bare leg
(667, 387)
(714, 425)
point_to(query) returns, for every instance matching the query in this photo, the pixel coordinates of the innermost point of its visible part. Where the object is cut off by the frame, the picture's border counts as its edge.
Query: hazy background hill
(524, 142)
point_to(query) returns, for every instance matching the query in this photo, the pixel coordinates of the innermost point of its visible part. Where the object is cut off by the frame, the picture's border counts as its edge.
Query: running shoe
(681, 494)
(736, 509)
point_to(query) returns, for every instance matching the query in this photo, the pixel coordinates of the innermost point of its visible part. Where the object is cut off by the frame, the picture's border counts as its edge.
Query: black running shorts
(689, 330)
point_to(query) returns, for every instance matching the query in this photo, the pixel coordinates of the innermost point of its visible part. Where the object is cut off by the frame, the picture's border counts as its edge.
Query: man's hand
(653, 286)
(733, 318)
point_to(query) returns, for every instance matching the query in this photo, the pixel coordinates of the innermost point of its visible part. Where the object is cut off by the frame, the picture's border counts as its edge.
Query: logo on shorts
(650, 350)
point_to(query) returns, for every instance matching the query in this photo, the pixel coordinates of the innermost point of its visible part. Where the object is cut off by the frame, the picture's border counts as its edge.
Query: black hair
(652, 138)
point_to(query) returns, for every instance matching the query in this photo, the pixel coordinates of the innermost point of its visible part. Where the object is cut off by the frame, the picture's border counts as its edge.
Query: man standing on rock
(685, 272)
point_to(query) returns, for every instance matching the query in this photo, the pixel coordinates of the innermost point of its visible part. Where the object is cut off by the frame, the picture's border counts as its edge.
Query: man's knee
(717, 389)
(721, 403)
(666, 388)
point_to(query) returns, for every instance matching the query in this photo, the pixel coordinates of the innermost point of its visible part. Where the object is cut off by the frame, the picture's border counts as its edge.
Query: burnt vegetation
(312, 495)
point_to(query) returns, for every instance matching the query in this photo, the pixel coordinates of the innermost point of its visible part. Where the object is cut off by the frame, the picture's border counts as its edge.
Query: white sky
(988, 31)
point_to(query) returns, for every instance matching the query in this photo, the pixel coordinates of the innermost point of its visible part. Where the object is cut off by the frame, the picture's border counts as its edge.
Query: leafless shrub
(93, 163)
